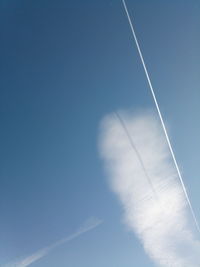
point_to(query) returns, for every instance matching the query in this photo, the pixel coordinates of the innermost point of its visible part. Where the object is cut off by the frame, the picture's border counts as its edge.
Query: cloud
(156, 212)
(87, 226)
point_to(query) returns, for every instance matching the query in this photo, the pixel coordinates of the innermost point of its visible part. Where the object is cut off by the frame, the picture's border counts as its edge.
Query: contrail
(163, 227)
(87, 226)
(160, 116)
(136, 151)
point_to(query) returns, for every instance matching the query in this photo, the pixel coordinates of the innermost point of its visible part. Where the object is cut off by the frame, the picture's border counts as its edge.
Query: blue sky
(64, 66)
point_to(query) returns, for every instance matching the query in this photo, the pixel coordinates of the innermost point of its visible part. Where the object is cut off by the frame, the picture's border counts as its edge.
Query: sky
(64, 66)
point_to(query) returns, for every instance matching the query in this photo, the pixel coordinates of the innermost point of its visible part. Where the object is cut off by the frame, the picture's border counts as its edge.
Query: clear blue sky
(64, 65)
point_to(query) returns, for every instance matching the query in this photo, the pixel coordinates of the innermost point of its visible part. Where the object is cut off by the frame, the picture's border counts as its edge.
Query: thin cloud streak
(160, 114)
(87, 226)
(163, 223)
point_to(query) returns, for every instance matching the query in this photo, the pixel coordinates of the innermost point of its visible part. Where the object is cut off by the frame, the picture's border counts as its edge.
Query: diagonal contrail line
(89, 225)
(160, 116)
(137, 153)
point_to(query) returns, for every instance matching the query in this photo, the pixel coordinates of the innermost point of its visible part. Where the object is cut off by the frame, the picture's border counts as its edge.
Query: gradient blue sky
(64, 65)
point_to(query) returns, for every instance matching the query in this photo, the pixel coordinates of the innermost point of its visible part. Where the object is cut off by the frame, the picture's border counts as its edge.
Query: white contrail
(137, 152)
(160, 115)
(87, 226)
(164, 226)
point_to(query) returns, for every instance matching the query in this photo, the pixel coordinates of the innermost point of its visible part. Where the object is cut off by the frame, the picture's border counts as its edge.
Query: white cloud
(157, 212)
(87, 226)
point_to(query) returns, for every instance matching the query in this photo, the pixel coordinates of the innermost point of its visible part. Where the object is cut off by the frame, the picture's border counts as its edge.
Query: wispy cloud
(87, 226)
(161, 220)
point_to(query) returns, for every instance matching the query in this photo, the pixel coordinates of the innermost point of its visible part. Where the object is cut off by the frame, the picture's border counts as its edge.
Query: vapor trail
(160, 116)
(87, 226)
(121, 121)
(164, 227)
